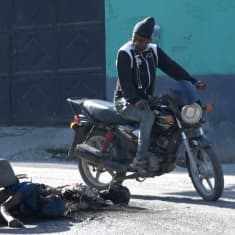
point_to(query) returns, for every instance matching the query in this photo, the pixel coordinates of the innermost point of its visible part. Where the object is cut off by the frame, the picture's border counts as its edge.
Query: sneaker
(140, 166)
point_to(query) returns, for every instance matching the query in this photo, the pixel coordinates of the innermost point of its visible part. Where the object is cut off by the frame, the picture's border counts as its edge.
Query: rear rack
(76, 104)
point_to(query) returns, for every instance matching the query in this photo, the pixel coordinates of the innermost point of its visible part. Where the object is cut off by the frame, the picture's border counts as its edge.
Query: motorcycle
(105, 144)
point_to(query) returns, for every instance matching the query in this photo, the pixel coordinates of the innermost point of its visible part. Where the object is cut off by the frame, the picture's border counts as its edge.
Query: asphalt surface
(162, 205)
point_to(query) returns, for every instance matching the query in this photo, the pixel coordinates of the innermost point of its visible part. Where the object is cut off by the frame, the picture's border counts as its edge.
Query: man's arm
(11, 202)
(125, 77)
(171, 68)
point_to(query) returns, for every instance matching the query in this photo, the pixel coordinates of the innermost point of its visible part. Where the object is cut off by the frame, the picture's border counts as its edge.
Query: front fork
(188, 148)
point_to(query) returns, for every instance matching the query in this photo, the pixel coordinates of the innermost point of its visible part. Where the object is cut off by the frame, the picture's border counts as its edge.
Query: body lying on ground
(23, 198)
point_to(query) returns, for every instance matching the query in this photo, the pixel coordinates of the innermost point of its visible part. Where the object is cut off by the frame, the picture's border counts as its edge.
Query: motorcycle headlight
(192, 113)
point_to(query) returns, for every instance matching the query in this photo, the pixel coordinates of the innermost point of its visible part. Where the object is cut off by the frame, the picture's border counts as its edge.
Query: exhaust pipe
(95, 155)
(90, 153)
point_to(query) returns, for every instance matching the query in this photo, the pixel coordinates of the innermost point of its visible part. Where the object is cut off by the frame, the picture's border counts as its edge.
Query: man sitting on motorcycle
(137, 61)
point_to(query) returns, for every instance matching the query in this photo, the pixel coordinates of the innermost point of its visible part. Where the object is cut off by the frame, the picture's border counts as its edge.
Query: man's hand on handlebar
(200, 85)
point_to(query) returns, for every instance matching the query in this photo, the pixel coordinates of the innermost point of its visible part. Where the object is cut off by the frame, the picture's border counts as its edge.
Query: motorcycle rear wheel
(209, 181)
(96, 175)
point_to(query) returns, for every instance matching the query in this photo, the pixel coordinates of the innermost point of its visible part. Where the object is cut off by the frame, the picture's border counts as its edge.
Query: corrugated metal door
(58, 51)
(4, 61)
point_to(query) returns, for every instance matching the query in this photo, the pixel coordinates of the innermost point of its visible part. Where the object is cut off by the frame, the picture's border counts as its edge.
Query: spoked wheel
(209, 180)
(94, 175)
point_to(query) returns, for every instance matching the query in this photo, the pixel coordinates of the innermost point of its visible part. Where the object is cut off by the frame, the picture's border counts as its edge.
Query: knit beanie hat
(7, 175)
(144, 28)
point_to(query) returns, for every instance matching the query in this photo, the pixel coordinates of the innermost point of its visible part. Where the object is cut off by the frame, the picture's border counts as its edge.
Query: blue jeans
(29, 193)
(146, 119)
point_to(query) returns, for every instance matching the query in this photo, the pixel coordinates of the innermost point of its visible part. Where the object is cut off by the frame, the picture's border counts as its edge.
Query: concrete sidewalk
(27, 143)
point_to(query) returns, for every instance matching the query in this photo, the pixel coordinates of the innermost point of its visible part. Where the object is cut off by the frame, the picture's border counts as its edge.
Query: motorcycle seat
(104, 111)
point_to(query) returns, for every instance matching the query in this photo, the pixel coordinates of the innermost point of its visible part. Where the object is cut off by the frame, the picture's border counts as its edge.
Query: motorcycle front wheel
(96, 175)
(209, 179)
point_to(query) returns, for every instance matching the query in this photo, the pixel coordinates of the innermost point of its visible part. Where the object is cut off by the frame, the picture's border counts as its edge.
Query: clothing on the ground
(45, 201)
(47, 205)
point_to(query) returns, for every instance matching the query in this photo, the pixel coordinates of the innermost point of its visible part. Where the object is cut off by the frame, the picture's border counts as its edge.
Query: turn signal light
(208, 108)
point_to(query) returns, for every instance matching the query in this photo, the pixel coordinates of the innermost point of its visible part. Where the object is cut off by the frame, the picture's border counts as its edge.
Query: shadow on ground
(59, 225)
(190, 197)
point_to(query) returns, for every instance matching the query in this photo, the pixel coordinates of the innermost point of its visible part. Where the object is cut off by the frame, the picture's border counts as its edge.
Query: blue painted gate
(49, 50)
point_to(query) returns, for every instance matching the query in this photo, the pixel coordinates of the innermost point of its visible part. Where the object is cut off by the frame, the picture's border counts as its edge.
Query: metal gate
(50, 50)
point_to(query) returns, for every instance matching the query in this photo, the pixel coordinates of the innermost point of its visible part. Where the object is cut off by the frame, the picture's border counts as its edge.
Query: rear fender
(81, 131)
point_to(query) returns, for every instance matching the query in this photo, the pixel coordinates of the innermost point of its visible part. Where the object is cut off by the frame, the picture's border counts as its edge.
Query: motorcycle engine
(164, 149)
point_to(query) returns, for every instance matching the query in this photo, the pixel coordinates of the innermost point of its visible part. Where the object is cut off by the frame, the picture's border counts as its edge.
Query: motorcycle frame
(112, 131)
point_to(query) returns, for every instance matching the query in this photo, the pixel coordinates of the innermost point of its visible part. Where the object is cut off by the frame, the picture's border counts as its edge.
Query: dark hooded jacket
(137, 71)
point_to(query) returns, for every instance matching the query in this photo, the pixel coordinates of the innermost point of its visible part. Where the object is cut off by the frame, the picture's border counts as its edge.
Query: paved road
(163, 205)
